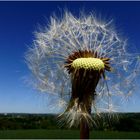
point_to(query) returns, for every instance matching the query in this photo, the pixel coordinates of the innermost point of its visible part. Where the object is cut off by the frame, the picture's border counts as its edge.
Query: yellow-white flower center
(88, 63)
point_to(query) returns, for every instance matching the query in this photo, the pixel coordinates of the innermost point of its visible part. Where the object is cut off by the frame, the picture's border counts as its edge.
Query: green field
(65, 134)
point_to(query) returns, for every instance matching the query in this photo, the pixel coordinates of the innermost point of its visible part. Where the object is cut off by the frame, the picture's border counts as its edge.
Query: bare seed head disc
(88, 63)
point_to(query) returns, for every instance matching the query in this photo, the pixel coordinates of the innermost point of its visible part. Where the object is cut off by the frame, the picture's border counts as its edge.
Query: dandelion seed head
(87, 43)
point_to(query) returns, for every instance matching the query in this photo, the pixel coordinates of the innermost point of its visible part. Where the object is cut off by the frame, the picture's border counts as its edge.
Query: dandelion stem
(84, 130)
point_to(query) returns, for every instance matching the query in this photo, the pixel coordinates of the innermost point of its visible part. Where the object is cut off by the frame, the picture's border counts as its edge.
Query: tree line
(115, 122)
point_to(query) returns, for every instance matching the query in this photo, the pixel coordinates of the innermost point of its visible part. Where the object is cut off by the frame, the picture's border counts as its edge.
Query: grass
(65, 134)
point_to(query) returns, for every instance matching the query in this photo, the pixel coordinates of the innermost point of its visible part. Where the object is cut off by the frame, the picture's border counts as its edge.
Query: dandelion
(85, 64)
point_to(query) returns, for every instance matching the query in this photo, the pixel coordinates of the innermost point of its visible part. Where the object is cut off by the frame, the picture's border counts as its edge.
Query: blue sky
(18, 21)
